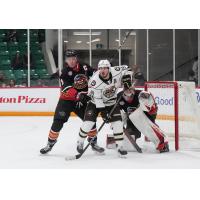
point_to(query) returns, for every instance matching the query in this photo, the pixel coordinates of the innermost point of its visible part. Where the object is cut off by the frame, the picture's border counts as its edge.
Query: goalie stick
(89, 143)
(133, 142)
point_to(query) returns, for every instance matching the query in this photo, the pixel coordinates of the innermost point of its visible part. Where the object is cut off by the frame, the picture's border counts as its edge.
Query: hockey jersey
(104, 92)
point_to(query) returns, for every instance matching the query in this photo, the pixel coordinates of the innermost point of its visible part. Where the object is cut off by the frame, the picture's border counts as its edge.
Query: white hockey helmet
(104, 63)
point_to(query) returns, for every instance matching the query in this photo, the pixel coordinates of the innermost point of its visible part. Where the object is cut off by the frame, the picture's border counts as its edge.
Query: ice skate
(95, 146)
(163, 147)
(121, 152)
(48, 147)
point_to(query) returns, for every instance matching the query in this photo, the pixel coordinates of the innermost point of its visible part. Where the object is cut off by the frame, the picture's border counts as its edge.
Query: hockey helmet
(104, 64)
(80, 81)
(71, 53)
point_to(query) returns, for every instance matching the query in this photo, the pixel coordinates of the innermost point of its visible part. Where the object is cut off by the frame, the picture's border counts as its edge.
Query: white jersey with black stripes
(104, 92)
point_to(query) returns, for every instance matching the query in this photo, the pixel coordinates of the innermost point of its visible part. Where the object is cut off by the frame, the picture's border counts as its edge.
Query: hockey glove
(70, 94)
(105, 116)
(82, 97)
(126, 81)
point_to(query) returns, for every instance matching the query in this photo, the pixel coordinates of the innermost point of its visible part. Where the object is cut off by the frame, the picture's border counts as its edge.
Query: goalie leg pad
(147, 127)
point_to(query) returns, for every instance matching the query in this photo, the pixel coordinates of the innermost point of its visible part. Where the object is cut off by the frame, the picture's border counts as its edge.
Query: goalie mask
(80, 81)
(129, 93)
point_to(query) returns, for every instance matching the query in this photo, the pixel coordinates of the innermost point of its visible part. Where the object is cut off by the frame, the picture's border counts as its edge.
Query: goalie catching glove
(147, 102)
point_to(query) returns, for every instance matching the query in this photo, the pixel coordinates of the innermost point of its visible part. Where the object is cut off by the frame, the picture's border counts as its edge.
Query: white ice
(22, 137)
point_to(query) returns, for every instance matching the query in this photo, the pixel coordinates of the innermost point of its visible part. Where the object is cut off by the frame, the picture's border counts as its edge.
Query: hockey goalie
(139, 112)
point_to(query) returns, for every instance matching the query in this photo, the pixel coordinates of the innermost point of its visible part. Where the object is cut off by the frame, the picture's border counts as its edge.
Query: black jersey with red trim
(131, 105)
(68, 74)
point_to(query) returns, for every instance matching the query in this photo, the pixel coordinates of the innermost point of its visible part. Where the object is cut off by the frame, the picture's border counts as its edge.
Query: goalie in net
(139, 112)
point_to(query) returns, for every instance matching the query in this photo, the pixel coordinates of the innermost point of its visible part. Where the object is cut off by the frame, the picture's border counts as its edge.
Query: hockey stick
(132, 141)
(99, 129)
(122, 43)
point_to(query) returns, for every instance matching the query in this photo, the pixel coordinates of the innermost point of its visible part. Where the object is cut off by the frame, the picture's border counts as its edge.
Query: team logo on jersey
(93, 83)
(70, 73)
(117, 68)
(109, 92)
(85, 67)
(89, 113)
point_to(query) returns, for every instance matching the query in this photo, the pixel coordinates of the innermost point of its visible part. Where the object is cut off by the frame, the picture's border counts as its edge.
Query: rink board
(42, 102)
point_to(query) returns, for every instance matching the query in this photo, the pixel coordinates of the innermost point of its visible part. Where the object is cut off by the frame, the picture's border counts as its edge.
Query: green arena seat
(13, 46)
(41, 71)
(45, 76)
(7, 73)
(2, 37)
(11, 76)
(19, 74)
(5, 64)
(3, 46)
(4, 55)
(13, 53)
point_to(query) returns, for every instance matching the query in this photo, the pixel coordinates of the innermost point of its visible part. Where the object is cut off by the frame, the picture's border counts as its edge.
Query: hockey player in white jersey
(103, 87)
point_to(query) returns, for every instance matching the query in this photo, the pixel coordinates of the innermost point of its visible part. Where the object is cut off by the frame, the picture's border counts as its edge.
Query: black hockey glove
(105, 116)
(82, 99)
(126, 81)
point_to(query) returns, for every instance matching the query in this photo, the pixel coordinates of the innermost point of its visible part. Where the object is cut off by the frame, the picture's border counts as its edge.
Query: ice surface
(21, 138)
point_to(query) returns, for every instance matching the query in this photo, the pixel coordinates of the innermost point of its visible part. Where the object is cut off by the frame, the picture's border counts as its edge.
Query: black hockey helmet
(71, 53)
(80, 81)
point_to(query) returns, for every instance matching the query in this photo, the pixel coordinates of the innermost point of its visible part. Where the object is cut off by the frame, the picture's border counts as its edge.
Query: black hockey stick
(99, 129)
(132, 141)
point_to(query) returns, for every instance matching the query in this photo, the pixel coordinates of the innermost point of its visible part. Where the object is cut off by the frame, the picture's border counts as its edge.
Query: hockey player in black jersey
(73, 98)
(130, 102)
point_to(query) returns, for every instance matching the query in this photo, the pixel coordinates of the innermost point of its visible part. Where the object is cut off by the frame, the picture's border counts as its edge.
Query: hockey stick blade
(67, 158)
(89, 143)
(133, 142)
(78, 155)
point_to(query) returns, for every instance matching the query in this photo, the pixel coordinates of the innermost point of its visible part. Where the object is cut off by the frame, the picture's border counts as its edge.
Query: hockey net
(178, 111)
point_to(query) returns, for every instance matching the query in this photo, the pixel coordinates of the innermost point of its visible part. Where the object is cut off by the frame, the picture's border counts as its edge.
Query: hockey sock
(118, 138)
(53, 136)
